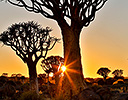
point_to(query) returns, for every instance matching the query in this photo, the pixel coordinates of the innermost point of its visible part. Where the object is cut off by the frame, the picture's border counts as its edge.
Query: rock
(88, 95)
(9, 90)
(123, 96)
(75, 97)
(104, 93)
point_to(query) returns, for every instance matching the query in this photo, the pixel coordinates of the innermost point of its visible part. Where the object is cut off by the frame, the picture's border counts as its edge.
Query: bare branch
(77, 11)
(52, 64)
(28, 40)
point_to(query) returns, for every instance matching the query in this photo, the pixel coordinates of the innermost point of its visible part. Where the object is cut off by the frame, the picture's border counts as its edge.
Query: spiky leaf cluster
(79, 11)
(52, 63)
(28, 40)
(117, 72)
(103, 72)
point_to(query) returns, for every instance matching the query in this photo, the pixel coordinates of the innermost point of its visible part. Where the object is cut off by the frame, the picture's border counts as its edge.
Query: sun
(51, 74)
(63, 68)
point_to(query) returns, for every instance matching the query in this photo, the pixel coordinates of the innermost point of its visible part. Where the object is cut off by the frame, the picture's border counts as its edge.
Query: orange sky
(103, 43)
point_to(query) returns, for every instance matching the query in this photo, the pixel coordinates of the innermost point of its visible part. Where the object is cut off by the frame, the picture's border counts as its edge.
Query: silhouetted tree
(53, 64)
(30, 42)
(71, 16)
(117, 73)
(13, 75)
(104, 72)
(5, 74)
(18, 75)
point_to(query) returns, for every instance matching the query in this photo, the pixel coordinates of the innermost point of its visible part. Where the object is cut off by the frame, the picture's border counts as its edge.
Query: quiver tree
(71, 16)
(5, 74)
(30, 42)
(104, 72)
(117, 73)
(53, 64)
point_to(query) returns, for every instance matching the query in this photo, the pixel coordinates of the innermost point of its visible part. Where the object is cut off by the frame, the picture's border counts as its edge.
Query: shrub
(25, 87)
(9, 89)
(31, 95)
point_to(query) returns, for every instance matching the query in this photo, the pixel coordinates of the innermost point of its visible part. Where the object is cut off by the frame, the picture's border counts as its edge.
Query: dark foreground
(17, 88)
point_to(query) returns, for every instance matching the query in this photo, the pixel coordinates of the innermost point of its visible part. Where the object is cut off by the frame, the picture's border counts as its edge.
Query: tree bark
(33, 77)
(73, 80)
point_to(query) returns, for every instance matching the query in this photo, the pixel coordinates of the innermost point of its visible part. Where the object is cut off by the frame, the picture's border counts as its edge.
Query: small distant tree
(53, 64)
(104, 72)
(30, 42)
(18, 75)
(13, 75)
(117, 73)
(5, 74)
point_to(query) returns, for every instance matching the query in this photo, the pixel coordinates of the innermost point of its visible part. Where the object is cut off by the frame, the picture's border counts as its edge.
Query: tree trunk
(48, 82)
(73, 80)
(33, 77)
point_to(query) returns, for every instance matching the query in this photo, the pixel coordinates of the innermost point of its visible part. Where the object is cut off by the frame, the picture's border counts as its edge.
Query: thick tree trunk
(73, 80)
(33, 77)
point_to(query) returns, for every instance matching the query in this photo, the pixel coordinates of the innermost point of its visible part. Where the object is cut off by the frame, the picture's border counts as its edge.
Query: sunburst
(63, 68)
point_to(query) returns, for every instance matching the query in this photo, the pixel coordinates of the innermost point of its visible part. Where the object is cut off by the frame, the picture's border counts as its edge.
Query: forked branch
(28, 40)
(78, 11)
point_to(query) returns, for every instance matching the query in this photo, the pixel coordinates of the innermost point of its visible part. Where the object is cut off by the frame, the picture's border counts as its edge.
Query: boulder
(104, 93)
(88, 95)
(123, 96)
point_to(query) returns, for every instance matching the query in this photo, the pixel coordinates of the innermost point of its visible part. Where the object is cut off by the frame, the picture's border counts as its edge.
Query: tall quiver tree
(79, 14)
(30, 42)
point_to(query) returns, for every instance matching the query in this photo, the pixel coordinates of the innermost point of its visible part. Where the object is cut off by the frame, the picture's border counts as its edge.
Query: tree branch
(78, 11)
(27, 39)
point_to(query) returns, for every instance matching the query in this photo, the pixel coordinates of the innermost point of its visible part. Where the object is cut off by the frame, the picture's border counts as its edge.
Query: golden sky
(104, 43)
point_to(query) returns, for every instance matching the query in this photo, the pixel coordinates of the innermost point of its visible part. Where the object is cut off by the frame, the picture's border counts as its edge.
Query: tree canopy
(117, 72)
(82, 11)
(103, 72)
(52, 64)
(28, 40)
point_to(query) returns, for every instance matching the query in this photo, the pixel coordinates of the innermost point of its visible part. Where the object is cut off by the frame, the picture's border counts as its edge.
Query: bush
(3, 80)
(31, 95)
(25, 87)
(9, 89)
(16, 96)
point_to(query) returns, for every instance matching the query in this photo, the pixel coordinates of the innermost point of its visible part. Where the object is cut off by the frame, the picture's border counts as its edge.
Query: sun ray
(73, 71)
(59, 86)
(72, 63)
(65, 69)
(70, 80)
